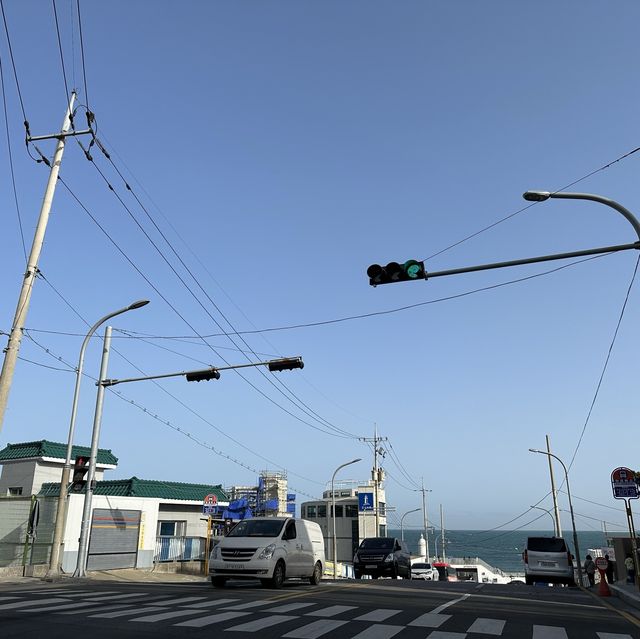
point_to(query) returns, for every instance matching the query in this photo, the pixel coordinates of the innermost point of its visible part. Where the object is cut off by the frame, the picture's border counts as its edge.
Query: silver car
(548, 560)
(424, 571)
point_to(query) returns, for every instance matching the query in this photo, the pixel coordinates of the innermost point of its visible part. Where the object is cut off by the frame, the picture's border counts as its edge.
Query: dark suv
(382, 557)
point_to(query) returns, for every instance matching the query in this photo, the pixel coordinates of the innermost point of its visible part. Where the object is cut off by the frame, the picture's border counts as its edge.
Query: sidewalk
(628, 593)
(123, 575)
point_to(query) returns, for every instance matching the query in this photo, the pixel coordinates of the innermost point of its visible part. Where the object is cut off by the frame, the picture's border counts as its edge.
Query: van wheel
(528, 581)
(315, 578)
(357, 575)
(278, 575)
(218, 582)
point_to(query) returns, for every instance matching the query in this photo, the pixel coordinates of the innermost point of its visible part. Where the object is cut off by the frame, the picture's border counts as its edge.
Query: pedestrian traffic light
(286, 364)
(198, 376)
(80, 469)
(395, 272)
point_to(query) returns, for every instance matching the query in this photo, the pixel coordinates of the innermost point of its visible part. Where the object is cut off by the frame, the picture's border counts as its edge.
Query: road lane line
(444, 606)
(31, 602)
(379, 631)
(381, 614)
(315, 629)
(429, 620)
(549, 632)
(331, 611)
(262, 623)
(200, 622)
(487, 626)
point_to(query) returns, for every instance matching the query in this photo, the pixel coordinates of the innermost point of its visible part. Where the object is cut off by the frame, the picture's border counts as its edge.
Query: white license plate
(234, 566)
(548, 564)
(369, 566)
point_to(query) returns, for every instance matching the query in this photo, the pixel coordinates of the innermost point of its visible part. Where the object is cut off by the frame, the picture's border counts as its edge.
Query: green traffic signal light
(395, 272)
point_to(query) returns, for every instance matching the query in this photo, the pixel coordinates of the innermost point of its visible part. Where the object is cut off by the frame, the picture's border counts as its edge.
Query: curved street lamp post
(548, 513)
(573, 521)
(333, 514)
(415, 510)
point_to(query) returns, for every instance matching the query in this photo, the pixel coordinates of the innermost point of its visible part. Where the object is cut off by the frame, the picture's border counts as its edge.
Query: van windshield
(546, 544)
(380, 543)
(257, 528)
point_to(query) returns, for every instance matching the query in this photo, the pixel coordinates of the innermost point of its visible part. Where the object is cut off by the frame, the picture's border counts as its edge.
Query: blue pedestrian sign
(365, 501)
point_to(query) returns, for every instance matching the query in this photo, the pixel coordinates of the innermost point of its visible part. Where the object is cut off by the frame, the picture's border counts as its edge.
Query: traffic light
(80, 469)
(286, 364)
(395, 272)
(199, 376)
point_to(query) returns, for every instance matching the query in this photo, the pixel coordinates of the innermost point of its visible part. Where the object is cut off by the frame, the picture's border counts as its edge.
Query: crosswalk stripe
(31, 602)
(112, 597)
(549, 632)
(65, 606)
(122, 613)
(381, 614)
(98, 607)
(250, 604)
(487, 626)
(331, 611)
(5, 598)
(290, 607)
(212, 602)
(179, 601)
(263, 622)
(163, 615)
(441, 634)
(379, 631)
(315, 629)
(429, 620)
(90, 593)
(200, 622)
(612, 635)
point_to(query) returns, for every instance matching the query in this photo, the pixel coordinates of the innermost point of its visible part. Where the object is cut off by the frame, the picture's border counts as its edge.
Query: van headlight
(267, 553)
(215, 553)
(389, 557)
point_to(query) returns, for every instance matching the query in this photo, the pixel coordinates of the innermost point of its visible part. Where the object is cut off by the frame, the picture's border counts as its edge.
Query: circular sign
(601, 563)
(211, 499)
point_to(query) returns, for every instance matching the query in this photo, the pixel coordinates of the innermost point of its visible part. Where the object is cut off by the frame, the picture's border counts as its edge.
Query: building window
(338, 511)
(345, 493)
(322, 511)
(172, 528)
(351, 510)
(382, 509)
(311, 512)
(15, 491)
(303, 511)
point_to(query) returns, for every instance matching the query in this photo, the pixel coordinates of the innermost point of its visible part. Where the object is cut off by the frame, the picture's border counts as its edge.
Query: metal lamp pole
(415, 510)
(548, 513)
(333, 513)
(573, 521)
(61, 513)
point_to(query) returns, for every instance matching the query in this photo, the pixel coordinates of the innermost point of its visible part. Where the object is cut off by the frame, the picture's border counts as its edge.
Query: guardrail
(179, 549)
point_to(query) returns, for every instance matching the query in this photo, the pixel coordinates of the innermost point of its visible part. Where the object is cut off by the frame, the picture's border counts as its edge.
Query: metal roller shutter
(114, 539)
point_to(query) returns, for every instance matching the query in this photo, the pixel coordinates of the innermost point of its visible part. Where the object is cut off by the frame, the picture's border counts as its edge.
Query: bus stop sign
(624, 484)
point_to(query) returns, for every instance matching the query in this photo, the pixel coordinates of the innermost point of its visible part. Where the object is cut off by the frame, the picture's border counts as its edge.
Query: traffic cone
(603, 589)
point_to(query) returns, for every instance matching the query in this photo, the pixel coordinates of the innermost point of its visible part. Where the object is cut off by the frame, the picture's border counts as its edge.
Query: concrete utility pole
(424, 518)
(375, 474)
(554, 492)
(15, 336)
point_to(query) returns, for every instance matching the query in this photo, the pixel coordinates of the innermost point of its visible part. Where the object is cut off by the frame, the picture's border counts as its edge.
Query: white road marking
(429, 620)
(90, 593)
(263, 622)
(487, 626)
(112, 597)
(290, 607)
(331, 611)
(379, 631)
(440, 634)
(315, 629)
(96, 607)
(162, 615)
(179, 601)
(5, 598)
(122, 613)
(444, 606)
(381, 614)
(212, 602)
(250, 604)
(64, 606)
(612, 635)
(200, 622)
(549, 632)
(31, 602)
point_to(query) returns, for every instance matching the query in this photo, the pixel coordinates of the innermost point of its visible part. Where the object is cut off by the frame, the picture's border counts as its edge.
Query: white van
(271, 549)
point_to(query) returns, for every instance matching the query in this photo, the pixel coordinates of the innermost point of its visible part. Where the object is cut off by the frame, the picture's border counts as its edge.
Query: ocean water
(501, 549)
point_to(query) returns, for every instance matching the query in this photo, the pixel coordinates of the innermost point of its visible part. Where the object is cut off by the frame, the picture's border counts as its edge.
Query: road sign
(210, 505)
(365, 501)
(601, 563)
(623, 484)
(211, 499)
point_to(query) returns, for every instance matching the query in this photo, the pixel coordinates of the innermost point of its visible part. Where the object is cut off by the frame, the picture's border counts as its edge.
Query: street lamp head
(137, 304)
(355, 460)
(536, 196)
(535, 450)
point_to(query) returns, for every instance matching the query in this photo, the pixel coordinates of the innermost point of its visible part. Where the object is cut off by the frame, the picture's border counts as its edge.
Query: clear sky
(281, 147)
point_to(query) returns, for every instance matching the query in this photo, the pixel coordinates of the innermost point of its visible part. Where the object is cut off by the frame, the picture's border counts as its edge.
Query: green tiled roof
(44, 448)
(135, 487)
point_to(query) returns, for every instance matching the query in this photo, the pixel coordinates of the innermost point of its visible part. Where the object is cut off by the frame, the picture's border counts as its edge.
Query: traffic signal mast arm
(283, 364)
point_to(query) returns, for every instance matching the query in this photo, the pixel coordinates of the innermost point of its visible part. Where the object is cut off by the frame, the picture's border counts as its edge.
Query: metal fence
(179, 549)
(26, 530)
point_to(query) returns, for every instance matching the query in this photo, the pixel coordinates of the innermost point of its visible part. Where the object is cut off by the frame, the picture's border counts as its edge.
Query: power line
(13, 64)
(84, 70)
(64, 73)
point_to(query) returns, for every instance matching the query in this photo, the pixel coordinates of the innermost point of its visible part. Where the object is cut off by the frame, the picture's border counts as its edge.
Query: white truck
(271, 549)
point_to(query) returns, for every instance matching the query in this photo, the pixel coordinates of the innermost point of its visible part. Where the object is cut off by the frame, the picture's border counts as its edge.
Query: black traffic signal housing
(396, 272)
(80, 469)
(286, 364)
(199, 376)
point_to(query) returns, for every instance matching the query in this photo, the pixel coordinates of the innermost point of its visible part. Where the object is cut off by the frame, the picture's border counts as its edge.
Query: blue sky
(282, 147)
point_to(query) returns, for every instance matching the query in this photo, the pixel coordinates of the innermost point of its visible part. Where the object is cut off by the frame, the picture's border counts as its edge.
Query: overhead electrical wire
(64, 72)
(84, 70)
(13, 64)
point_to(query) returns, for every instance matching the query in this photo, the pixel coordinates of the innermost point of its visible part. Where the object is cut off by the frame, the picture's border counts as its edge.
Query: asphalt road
(344, 610)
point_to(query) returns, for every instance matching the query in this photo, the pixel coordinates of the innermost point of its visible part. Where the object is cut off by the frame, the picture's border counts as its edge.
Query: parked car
(421, 570)
(382, 557)
(548, 560)
(271, 549)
